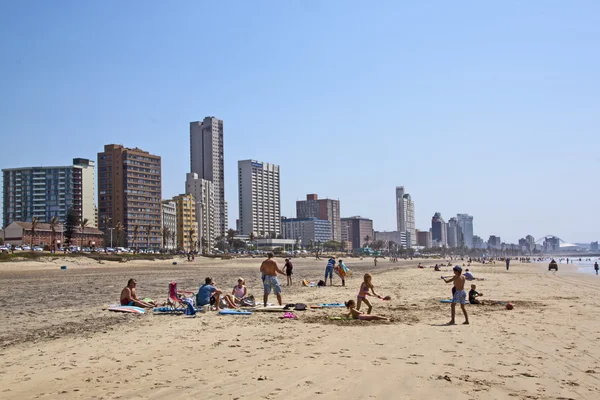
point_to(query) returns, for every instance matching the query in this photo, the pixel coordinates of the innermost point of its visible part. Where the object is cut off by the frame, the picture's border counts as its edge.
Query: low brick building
(19, 233)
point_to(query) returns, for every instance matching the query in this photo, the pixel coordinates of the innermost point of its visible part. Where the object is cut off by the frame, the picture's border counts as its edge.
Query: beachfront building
(478, 243)
(169, 225)
(46, 192)
(207, 160)
(129, 194)
(465, 224)
(424, 238)
(438, 231)
(259, 198)
(322, 209)
(494, 242)
(394, 236)
(452, 233)
(594, 246)
(204, 195)
(187, 225)
(306, 231)
(359, 231)
(20, 233)
(405, 217)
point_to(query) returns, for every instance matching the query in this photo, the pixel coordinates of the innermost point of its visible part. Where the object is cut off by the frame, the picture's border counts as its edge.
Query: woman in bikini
(240, 291)
(363, 292)
(355, 314)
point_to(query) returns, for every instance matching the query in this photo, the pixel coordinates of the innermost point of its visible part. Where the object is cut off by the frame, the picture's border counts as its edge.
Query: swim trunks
(124, 302)
(329, 272)
(460, 297)
(271, 283)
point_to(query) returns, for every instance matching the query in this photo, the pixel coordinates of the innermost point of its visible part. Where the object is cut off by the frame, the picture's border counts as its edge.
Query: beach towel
(289, 315)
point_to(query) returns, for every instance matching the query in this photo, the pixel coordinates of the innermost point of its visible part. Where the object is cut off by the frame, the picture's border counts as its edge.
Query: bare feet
(451, 323)
(466, 323)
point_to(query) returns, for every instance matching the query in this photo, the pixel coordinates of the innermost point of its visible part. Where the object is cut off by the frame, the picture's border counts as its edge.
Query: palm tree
(83, 224)
(136, 229)
(367, 239)
(120, 229)
(174, 239)
(192, 232)
(251, 237)
(231, 235)
(148, 230)
(165, 236)
(53, 225)
(34, 225)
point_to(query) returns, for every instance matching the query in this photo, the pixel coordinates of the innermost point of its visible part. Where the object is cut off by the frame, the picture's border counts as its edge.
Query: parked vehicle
(26, 248)
(4, 249)
(36, 248)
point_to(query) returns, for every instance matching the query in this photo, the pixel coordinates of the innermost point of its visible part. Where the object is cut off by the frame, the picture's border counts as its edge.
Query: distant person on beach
(342, 271)
(460, 296)
(363, 292)
(270, 269)
(596, 267)
(375, 261)
(355, 314)
(129, 297)
(329, 271)
(507, 263)
(288, 267)
(208, 294)
(473, 294)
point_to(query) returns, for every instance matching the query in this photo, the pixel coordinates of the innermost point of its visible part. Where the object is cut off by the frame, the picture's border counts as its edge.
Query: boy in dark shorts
(288, 267)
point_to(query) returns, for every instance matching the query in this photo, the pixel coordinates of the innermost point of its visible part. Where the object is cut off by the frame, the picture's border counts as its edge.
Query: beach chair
(175, 299)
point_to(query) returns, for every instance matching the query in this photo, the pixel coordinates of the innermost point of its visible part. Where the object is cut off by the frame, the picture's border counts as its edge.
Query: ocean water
(586, 267)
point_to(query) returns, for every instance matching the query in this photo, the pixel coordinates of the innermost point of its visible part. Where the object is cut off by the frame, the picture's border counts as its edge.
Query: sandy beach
(57, 342)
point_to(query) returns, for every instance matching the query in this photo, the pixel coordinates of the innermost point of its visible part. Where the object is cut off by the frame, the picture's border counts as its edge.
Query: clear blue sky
(488, 108)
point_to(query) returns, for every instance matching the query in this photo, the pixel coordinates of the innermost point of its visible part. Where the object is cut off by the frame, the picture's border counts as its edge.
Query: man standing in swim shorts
(329, 271)
(269, 269)
(460, 296)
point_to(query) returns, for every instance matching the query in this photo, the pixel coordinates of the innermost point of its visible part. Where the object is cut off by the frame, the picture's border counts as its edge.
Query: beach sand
(57, 342)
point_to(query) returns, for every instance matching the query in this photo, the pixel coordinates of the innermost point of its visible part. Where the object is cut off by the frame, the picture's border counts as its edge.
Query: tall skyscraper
(46, 192)
(405, 216)
(465, 222)
(169, 222)
(206, 159)
(204, 196)
(259, 198)
(323, 209)
(358, 229)
(129, 192)
(452, 234)
(438, 231)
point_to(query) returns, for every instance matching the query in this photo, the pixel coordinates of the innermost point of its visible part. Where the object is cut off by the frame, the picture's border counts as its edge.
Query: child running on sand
(363, 292)
(460, 296)
(355, 314)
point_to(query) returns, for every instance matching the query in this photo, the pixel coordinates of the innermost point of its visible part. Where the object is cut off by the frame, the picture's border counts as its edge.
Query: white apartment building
(204, 195)
(405, 215)
(206, 154)
(46, 192)
(169, 221)
(259, 198)
(465, 222)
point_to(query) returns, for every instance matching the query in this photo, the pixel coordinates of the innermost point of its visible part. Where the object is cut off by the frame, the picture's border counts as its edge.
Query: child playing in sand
(355, 314)
(473, 294)
(460, 296)
(363, 292)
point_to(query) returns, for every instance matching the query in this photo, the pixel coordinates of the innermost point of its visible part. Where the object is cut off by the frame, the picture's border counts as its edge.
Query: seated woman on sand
(240, 291)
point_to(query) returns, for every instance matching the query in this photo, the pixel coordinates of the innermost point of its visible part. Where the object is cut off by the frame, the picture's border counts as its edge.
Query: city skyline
(476, 92)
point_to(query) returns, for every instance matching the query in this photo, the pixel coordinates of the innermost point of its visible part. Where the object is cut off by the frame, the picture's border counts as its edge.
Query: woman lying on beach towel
(355, 314)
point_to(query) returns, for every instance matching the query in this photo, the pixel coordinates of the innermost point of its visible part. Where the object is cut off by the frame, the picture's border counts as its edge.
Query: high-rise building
(187, 225)
(204, 195)
(259, 198)
(494, 242)
(46, 192)
(358, 229)
(438, 230)
(478, 242)
(594, 246)
(169, 225)
(465, 223)
(306, 230)
(452, 233)
(206, 155)
(129, 193)
(424, 238)
(394, 236)
(323, 209)
(405, 216)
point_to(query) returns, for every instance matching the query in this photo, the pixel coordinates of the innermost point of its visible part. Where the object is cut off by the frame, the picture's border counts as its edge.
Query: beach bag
(189, 310)
(300, 307)
(248, 301)
(321, 283)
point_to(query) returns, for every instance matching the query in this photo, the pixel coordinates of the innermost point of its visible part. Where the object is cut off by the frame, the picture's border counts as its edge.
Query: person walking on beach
(329, 271)
(460, 296)
(288, 267)
(270, 269)
(596, 267)
(507, 263)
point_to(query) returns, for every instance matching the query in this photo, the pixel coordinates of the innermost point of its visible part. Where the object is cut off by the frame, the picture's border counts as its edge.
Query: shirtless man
(460, 296)
(270, 270)
(129, 298)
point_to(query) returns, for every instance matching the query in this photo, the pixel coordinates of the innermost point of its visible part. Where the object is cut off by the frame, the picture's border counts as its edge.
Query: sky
(486, 108)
